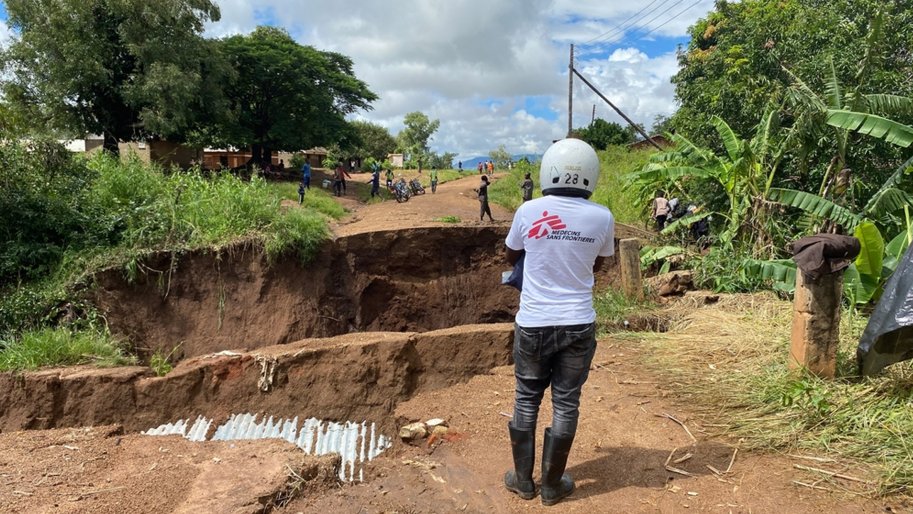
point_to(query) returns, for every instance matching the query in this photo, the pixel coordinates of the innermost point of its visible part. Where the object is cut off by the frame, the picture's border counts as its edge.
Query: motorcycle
(417, 187)
(401, 192)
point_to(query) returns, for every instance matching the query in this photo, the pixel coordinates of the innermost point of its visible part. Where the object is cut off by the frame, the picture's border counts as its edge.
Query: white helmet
(570, 167)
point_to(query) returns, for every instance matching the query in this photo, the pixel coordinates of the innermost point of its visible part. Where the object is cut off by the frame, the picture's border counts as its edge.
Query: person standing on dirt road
(389, 178)
(483, 199)
(433, 180)
(563, 239)
(375, 181)
(527, 188)
(339, 180)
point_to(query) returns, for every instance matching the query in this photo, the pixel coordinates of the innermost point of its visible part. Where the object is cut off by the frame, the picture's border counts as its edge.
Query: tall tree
(736, 62)
(413, 139)
(287, 96)
(500, 157)
(121, 68)
(372, 140)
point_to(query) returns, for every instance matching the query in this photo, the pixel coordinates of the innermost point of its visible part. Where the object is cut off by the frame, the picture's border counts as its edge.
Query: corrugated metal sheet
(350, 440)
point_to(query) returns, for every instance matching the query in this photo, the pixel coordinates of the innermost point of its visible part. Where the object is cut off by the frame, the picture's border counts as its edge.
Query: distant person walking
(660, 210)
(491, 167)
(480, 168)
(460, 166)
(306, 174)
(389, 178)
(527, 188)
(375, 181)
(339, 180)
(433, 180)
(301, 193)
(484, 208)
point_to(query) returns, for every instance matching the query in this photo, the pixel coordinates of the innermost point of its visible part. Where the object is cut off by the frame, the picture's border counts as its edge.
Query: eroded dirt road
(619, 457)
(626, 444)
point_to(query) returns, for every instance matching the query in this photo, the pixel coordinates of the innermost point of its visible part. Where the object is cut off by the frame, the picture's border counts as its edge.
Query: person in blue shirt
(375, 180)
(306, 174)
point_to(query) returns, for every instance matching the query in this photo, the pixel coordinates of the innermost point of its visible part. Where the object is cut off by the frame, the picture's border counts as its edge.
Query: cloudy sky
(492, 71)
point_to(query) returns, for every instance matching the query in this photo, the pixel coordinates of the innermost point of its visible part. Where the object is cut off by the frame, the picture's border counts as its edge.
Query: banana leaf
(873, 125)
(813, 204)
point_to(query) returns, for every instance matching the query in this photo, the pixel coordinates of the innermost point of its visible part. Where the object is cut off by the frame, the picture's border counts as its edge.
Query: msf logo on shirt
(544, 225)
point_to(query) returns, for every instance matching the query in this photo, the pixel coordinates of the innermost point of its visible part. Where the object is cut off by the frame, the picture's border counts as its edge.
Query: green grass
(728, 362)
(160, 362)
(616, 162)
(448, 219)
(125, 210)
(61, 347)
(506, 190)
(316, 199)
(613, 307)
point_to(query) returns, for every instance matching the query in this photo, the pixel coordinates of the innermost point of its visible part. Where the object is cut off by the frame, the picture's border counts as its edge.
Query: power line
(640, 21)
(686, 9)
(619, 26)
(647, 24)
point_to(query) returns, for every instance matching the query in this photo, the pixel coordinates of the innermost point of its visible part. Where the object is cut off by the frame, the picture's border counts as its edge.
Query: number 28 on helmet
(570, 167)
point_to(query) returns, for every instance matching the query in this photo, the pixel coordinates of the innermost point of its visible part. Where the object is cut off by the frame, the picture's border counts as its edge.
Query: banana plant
(864, 280)
(745, 172)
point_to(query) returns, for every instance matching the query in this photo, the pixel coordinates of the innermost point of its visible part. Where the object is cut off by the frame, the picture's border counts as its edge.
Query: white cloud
(473, 64)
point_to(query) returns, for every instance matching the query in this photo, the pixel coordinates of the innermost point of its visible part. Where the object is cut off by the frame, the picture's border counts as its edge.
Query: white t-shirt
(562, 237)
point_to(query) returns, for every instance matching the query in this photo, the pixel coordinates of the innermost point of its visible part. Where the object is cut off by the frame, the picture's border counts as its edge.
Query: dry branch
(830, 473)
(673, 418)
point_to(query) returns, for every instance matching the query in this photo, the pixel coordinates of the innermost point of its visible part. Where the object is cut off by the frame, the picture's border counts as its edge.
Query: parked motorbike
(417, 187)
(401, 192)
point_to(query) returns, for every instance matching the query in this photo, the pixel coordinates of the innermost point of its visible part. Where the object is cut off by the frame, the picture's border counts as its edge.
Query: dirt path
(454, 198)
(618, 459)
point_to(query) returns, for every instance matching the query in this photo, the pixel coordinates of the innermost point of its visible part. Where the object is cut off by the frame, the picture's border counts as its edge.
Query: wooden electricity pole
(593, 117)
(623, 115)
(570, 93)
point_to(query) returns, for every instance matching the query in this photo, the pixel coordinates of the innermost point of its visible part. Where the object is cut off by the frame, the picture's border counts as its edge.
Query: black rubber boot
(556, 484)
(520, 479)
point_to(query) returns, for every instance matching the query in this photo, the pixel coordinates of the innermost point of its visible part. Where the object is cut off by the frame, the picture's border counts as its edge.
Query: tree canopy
(372, 140)
(287, 96)
(601, 133)
(126, 69)
(413, 139)
(741, 56)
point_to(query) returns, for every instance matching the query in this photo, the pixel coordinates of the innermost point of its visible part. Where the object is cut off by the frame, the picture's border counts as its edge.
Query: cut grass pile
(61, 347)
(728, 361)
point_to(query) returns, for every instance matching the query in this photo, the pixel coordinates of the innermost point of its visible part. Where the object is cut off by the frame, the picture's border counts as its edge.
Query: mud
(408, 280)
(356, 377)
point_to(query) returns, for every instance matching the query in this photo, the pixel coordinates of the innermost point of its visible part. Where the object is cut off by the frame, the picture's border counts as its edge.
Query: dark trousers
(485, 209)
(375, 189)
(337, 187)
(434, 186)
(660, 221)
(559, 357)
(307, 182)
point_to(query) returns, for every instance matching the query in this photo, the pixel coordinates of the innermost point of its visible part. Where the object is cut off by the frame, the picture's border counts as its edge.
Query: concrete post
(629, 260)
(816, 324)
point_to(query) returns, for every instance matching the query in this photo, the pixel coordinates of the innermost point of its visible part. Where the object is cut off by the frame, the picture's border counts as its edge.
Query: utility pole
(570, 93)
(593, 117)
(623, 115)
